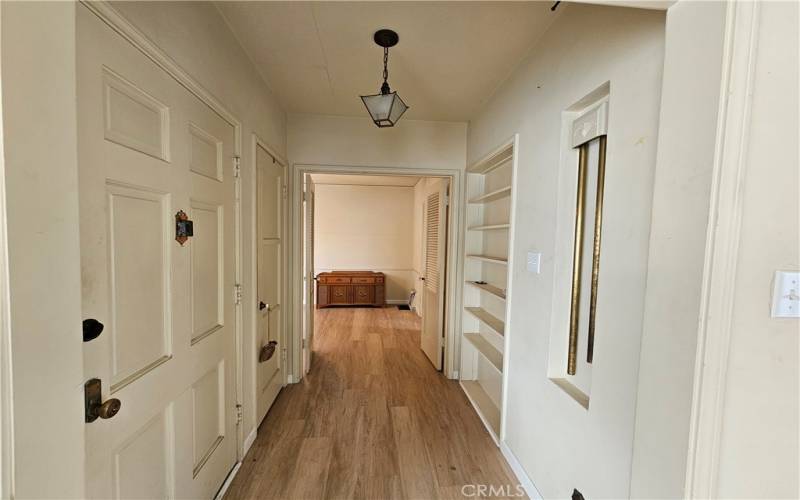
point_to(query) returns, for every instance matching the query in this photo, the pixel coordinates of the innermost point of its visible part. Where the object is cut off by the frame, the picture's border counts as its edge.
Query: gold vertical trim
(577, 257)
(598, 225)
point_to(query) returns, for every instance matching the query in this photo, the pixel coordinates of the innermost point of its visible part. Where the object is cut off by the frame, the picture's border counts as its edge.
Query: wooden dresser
(351, 288)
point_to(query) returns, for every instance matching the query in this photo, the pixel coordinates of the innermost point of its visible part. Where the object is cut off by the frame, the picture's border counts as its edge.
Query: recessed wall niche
(579, 249)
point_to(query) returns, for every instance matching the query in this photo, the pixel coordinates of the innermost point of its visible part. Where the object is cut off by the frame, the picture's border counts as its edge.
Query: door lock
(93, 402)
(91, 329)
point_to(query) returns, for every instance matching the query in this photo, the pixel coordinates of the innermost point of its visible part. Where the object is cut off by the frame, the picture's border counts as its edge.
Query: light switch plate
(534, 262)
(786, 295)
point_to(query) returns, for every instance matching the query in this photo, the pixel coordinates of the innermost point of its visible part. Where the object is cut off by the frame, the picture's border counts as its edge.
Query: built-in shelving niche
(487, 272)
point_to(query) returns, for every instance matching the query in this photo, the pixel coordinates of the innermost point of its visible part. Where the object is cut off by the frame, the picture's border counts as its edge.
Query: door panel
(270, 374)
(435, 236)
(148, 148)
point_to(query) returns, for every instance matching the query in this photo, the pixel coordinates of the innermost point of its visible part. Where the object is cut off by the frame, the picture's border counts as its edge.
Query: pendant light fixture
(387, 107)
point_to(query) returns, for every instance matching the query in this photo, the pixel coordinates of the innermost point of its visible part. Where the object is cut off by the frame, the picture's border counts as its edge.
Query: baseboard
(396, 302)
(522, 476)
(228, 480)
(249, 440)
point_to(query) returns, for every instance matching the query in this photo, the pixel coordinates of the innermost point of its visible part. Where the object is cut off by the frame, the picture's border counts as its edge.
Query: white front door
(435, 236)
(270, 338)
(309, 283)
(148, 150)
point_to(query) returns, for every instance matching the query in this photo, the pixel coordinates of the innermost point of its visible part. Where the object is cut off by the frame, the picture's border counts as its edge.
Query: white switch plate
(534, 262)
(786, 295)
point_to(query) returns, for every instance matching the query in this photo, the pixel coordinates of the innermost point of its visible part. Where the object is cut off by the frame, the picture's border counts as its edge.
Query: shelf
(488, 351)
(492, 195)
(483, 404)
(493, 162)
(486, 318)
(486, 287)
(486, 258)
(489, 227)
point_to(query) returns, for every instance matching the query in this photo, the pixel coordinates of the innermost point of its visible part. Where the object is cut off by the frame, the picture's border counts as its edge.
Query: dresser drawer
(339, 295)
(367, 280)
(339, 280)
(363, 294)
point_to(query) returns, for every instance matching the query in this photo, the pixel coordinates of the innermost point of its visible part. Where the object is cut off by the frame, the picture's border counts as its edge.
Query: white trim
(228, 480)
(6, 372)
(522, 476)
(109, 15)
(250, 439)
(722, 246)
(396, 302)
(455, 239)
(512, 231)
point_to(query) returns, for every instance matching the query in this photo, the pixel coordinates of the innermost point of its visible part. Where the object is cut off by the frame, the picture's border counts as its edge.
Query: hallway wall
(681, 191)
(366, 228)
(759, 429)
(356, 141)
(560, 444)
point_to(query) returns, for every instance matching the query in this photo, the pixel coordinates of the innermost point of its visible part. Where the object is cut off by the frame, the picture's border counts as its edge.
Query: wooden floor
(372, 420)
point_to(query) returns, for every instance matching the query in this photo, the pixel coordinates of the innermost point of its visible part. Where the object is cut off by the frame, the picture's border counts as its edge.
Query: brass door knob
(94, 405)
(108, 409)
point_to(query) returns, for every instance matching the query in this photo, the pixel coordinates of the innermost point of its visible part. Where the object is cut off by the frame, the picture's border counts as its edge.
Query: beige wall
(558, 443)
(759, 432)
(195, 36)
(366, 228)
(356, 141)
(687, 132)
(41, 184)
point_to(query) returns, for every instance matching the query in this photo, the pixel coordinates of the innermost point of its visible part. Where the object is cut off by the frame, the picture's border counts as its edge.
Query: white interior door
(435, 236)
(270, 340)
(148, 148)
(308, 274)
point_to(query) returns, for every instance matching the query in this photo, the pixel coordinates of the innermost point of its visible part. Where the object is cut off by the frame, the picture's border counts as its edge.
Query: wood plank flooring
(372, 420)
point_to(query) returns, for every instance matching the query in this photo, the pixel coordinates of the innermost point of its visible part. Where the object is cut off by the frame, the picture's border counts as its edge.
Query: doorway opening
(369, 238)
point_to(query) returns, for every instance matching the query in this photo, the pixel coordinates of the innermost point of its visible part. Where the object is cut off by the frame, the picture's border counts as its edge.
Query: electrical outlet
(534, 262)
(786, 295)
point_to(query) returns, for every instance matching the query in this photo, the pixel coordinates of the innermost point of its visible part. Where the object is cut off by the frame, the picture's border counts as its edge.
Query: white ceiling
(318, 57)
(365, 180)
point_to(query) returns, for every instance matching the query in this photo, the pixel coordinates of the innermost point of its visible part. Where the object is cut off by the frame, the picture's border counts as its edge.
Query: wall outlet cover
(534, 262)
(786, 295)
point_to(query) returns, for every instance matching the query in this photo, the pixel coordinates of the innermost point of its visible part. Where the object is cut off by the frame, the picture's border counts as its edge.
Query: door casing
(454, 254)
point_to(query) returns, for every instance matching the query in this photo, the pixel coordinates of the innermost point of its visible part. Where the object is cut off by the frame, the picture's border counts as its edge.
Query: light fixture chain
(385, 64)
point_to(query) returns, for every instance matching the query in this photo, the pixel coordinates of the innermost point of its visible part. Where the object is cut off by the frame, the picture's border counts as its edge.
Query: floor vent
(404, 307)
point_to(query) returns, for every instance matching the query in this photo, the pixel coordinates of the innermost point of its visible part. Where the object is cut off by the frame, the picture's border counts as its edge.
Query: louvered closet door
(148, 148)
(431, 340)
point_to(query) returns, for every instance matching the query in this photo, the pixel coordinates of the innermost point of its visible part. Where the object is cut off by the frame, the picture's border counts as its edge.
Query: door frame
(116, 21)
(252, 289)
(454, 254)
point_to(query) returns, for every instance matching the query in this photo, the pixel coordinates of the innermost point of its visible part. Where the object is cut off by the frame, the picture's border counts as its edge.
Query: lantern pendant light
(387, 107)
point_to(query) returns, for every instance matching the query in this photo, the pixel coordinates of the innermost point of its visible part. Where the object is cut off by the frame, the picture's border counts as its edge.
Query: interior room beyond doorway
(392, 232)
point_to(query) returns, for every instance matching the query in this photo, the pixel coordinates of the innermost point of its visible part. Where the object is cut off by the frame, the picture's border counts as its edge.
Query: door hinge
(284, 191)
(239, 414)
(283, 356)
(237, 167)
(237, 294)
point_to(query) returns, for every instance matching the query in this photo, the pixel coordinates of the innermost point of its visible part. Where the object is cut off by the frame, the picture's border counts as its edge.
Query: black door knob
(91, 329)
